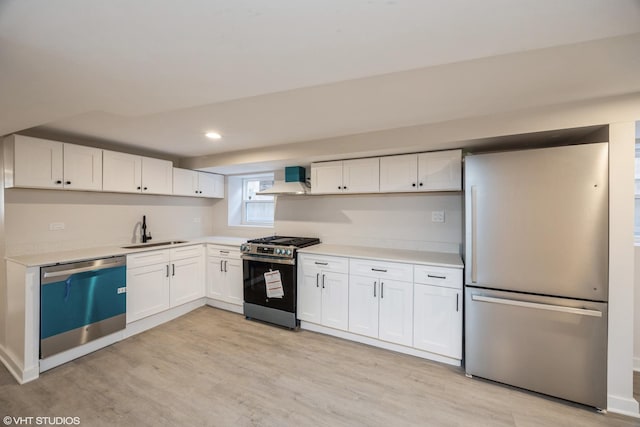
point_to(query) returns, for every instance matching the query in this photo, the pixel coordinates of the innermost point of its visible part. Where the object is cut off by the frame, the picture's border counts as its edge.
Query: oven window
(255, 291)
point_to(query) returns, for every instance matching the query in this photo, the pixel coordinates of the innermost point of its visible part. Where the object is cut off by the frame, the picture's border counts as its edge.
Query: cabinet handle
(139, 188)
(323, 281)
(317, 280)
(145, 188)
(379, 269)
(457, 296)
(224, 252)
(344, 188)
(167, 270)
(225, 266)
(413, 185)
(221, 265)
(68, 182)
(381, 290)
(339, 188)
(433, 276)
(420, 184)
(58, 182)
(173, 272)
(374, 289)
(321, 263)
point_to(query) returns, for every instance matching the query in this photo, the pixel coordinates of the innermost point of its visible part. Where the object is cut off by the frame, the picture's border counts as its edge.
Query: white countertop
(440, 259)
(50, 258)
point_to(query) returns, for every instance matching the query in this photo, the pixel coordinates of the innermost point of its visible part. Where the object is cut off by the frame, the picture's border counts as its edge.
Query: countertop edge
(436, 259)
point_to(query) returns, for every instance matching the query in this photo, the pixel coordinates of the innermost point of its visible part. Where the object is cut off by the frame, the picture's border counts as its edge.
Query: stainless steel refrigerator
(536, 277)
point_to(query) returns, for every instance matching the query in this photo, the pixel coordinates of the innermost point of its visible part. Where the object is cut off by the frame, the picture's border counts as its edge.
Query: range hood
(294, 183)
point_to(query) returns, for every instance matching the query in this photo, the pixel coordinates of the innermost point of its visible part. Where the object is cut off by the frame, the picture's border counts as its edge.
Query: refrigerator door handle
(474, 248)
(538, 306)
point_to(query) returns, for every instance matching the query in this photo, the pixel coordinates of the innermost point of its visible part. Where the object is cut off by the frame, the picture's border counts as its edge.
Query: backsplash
(97, 219)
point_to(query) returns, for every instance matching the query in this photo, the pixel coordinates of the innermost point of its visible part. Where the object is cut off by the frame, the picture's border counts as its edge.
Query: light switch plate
(437, 216)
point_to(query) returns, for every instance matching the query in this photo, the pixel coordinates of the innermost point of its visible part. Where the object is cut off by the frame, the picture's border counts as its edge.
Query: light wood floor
(212, 367)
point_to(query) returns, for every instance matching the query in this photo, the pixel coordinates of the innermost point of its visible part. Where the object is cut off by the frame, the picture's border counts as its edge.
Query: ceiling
(287, 71)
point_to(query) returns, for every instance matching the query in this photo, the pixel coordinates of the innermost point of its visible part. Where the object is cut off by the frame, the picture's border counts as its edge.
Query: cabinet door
(326, 177)
(335, 300)
(309, 294)
(211, 185)
(233, 279)
(437, 320)
(363, 306)
(185, 182)
(147, 291)
(37, 162)
(186, 280)
(361, 175)
(399, 173)
(216, 283)
(82, 168)
(396, 312)
(157, 176)
(121, 172)
(440, 171)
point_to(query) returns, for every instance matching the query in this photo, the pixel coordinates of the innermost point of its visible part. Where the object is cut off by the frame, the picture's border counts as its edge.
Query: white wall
(98, 219)
(391, 221)
(636, 318)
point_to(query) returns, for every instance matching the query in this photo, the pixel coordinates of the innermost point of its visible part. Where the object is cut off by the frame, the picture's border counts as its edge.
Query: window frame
(244, 200)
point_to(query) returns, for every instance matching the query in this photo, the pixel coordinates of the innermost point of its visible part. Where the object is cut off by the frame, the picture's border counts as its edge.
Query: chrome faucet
(145, 237)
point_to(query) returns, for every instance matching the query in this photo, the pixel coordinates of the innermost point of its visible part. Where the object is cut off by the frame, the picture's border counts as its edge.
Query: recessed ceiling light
(213, 135)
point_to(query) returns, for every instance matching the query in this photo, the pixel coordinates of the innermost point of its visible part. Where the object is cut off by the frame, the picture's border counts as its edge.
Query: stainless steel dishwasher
(80, 302)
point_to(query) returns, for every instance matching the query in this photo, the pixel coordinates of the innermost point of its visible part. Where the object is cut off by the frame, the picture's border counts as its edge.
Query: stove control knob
(278, 251)
(288, 251)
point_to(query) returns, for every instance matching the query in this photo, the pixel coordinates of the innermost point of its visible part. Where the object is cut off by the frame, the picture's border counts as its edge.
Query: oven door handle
(269, 260)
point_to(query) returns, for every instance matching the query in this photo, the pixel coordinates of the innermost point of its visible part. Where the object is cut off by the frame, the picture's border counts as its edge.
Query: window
(257, 209)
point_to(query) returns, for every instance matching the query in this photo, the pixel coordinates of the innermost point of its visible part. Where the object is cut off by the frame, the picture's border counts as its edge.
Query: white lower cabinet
(224, 275)
(438, 310)
(162, 279)
(323, 291)
(438, 320)
(381, 308)
(416, 309)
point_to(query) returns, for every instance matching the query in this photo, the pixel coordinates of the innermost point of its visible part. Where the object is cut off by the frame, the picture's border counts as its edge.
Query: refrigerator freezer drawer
(554, 346)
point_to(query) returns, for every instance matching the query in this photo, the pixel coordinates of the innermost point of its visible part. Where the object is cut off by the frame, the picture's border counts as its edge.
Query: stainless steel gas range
(270, 278)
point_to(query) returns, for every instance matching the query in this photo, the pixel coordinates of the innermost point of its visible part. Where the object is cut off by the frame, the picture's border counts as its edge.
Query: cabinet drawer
(327, 263)
(186, 252)
(223, 251)
(148, 258)
(381, 269)
(438, 276)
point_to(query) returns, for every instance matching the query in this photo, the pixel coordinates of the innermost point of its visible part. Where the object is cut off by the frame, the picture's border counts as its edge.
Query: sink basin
(152, 245)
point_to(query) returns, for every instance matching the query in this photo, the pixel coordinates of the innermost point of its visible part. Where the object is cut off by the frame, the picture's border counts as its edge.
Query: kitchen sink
(152, 245)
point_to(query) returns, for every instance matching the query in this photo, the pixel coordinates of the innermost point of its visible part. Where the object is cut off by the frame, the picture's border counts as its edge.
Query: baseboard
(377, 343)
(15, 369)
(225, 306)
(636, 364)
(623, 406)
(150, 322)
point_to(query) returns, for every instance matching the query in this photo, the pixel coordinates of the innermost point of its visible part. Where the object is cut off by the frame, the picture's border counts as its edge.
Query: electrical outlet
(437, 216)
(56, 226)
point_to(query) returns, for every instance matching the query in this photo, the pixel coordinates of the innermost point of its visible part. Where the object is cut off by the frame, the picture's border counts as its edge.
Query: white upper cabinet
(435, 171)
(345, 176)
(82, 168)
(185, 182)
(37, 162)
(157, 176)
(121, 172)
(440, 171)
(210, 185)
(129, 173)
(198, 184)
(42, 163)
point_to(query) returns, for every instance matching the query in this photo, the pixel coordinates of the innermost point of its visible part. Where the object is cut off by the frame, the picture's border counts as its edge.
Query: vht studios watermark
(41, 421)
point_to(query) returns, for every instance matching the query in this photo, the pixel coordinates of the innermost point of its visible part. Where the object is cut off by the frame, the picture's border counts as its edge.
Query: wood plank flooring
(214, 368)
